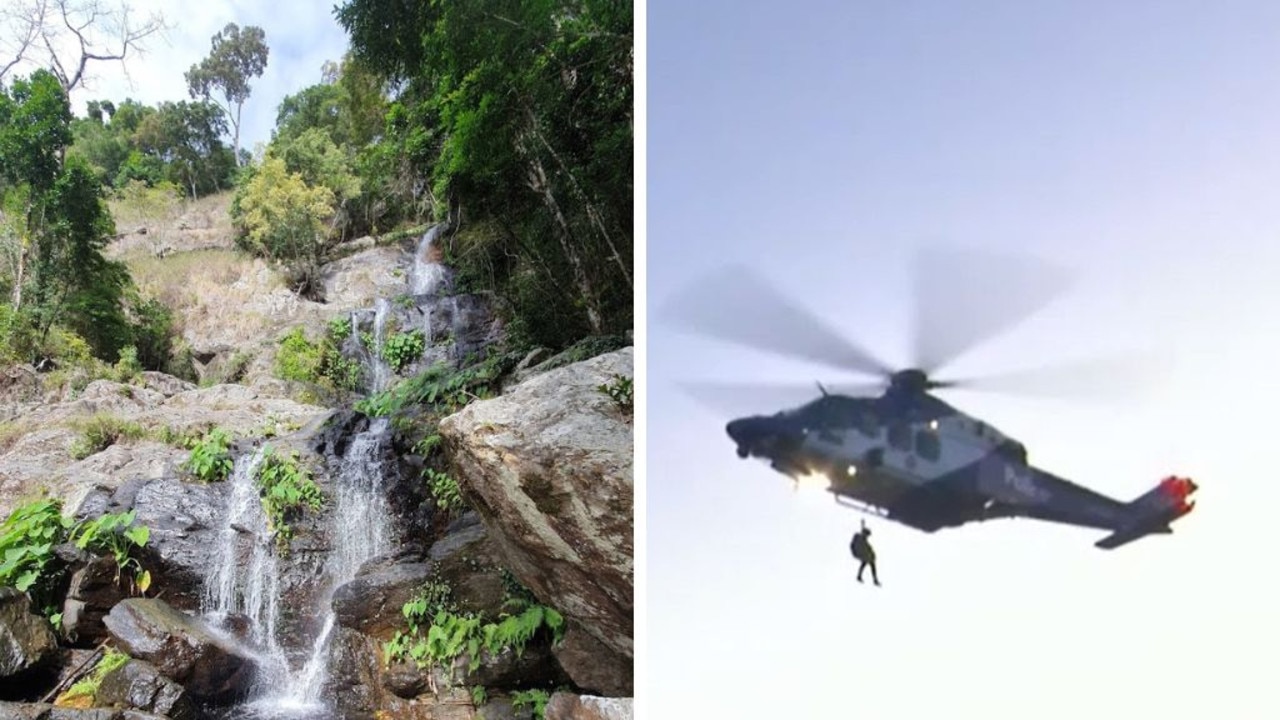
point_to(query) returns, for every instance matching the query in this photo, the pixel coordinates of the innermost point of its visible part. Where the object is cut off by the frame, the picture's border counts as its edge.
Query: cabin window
(900, 437)
(927, 445)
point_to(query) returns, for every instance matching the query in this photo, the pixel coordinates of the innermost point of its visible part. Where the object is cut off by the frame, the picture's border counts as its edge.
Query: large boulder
(548, 466)
(567, 706)
(182, 648)
(26, 641)
(186, 525)
(139, 685)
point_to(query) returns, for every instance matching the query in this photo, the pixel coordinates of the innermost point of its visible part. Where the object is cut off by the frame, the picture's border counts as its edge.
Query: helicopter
(891, 448)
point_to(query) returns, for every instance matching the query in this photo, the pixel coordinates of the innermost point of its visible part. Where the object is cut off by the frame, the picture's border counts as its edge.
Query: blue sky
(301, 36)
(821, 143)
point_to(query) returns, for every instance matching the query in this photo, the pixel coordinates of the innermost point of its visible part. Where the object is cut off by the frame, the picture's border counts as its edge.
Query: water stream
(244, 588)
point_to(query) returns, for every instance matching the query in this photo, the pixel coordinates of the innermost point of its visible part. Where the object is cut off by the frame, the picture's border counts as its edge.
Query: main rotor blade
(1109, 380)
(964, 297)
(738, 399)
(739, 306)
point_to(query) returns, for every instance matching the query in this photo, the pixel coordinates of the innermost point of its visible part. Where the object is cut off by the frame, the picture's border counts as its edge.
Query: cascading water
(381, 371)
(361, 520)
(427, 276)
(248, 587)
(246, 583)
(360, 528)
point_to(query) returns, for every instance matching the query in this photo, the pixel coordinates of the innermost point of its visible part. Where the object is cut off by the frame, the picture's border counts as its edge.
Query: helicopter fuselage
(914, 459)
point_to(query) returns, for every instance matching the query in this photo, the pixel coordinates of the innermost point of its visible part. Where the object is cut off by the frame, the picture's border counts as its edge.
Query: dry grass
(185, 225)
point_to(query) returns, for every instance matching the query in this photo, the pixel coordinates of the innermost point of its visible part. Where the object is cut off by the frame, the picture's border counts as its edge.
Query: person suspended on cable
(862, 551)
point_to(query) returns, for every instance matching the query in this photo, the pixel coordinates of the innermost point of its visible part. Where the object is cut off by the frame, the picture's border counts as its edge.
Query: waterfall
(359, 520)
(381, 371)
(360, 529)
(247, 587)
(427, 277)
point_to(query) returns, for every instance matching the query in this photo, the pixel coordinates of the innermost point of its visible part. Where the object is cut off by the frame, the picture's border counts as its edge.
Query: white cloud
(301, 37)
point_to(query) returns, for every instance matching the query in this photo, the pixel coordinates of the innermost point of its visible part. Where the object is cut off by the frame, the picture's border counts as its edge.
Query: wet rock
(469, 561)
(567, 706)
(371, 603)
(185, 522)
(139, 685)
(548, 466)
(40, 711)
(27, 643)
(595, 668)
(93, 591)
(182, 648)
(353, 687)
(405, 681)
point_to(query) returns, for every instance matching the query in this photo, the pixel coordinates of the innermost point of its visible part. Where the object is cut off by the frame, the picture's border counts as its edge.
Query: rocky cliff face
(548, 465)
(541, 533)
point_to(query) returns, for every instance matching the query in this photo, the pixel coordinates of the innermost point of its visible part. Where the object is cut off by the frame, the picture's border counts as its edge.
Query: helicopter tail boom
(1153, 512)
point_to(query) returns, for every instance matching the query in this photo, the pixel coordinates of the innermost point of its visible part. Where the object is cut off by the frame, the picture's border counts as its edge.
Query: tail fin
(1153, 512)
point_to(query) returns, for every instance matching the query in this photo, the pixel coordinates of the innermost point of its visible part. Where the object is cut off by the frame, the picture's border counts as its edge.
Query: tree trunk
(538, 183)
(592, 212)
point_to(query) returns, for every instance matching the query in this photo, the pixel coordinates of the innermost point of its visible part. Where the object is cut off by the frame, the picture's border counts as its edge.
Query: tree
(520, 113)
(285, 221)
(237, 55)
(65, 35)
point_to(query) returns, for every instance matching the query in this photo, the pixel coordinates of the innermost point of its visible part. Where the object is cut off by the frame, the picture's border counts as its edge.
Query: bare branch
(74, 33)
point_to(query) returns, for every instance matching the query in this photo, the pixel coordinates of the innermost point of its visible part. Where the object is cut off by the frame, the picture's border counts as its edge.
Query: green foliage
(444, 489)
(283, 219)
(321, 363)
(401, 349)
(535, 699)
(101, 432)
(31, 531)
(117, 535)
(127, 367)
(27, 539)
(441, 388)
(449, 634)
(210, 459)
(84, 691)
(619, 389)
(521, 116)
(287, 488)
(478, 695)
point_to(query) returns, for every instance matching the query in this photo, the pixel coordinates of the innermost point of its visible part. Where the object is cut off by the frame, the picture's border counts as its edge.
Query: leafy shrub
(401, 349)
(210, 459)
(31, 531)
(444, 489)
(450, 633)
(620, 390)
(287, 488)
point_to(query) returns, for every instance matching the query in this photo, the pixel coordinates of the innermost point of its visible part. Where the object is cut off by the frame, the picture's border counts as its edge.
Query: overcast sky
(821, 142)
(301, 37)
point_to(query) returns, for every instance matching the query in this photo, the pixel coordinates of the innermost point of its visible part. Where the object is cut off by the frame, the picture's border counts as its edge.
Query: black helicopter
(892, 448)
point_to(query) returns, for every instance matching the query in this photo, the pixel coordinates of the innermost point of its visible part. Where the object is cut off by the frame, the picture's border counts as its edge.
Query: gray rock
(548, 466)
(26, 640)
(371, 603)
(567, 706)
(92, 593)
(182, 648)
(140, 686)
(38, 711)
